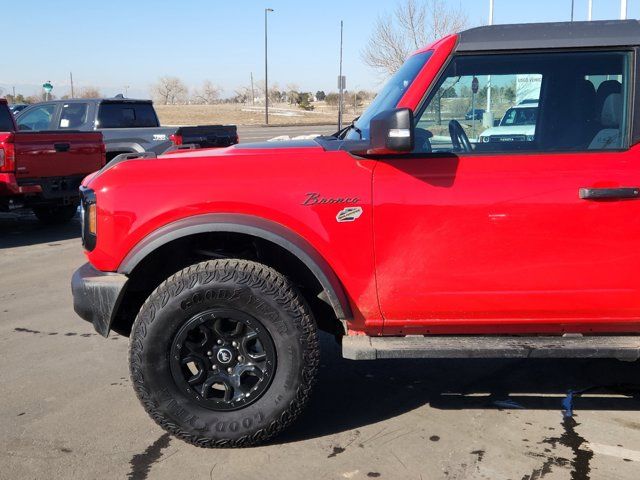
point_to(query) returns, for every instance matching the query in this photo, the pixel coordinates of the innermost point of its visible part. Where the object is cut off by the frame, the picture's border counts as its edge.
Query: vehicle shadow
(23, 228)
(351, 394)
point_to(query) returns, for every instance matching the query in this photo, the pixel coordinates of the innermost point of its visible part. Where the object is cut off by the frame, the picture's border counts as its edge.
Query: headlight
(484, 139)
(89, 218)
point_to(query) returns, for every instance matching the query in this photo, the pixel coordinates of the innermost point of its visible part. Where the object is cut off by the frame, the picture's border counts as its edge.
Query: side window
(73, 115)
(146, 115)
(528, 102)
(126, 115)
(38, 118)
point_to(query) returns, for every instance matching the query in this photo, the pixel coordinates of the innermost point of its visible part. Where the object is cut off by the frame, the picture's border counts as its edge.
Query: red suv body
(408, 222)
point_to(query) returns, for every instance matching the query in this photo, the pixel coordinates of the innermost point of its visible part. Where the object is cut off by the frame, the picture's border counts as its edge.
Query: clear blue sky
(114, 43)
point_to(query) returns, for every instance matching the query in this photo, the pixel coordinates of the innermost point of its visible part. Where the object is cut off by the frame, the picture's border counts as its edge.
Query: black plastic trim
(97, 295)
(248, 225)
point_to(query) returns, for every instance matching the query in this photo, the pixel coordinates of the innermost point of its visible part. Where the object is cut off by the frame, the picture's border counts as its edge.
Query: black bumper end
(96, 296)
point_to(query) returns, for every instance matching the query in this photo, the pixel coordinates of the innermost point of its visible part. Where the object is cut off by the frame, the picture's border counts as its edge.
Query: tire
(266, 302)
(55, 215)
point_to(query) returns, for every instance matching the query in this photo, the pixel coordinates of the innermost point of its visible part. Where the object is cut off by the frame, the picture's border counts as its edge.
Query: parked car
(127, 125)
(517, 125)
(474, 114)
(17, 107)
(43, 170)
(221, 265)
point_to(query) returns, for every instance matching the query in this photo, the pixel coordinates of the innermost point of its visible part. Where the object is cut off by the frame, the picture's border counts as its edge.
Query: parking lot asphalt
(260, 134)
(68, 411)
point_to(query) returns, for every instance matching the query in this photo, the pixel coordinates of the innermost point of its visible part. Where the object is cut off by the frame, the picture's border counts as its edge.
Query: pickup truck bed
(43, 170)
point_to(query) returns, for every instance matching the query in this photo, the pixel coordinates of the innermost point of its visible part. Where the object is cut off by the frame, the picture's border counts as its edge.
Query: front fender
(249, 225)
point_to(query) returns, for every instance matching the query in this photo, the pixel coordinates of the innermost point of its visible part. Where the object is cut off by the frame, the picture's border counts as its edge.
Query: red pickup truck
(407, 235)
(43, 170)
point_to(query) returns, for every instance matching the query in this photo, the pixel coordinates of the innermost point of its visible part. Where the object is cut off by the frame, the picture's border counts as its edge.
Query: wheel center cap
(224, 355)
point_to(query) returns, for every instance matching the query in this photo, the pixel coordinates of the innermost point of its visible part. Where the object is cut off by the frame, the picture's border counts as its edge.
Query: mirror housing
(391, 132)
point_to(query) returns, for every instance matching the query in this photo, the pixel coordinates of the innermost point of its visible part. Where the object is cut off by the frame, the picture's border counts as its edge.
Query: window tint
(37, 118)
(6, 120)
(73, 115)
(126, 115)
(537, 102)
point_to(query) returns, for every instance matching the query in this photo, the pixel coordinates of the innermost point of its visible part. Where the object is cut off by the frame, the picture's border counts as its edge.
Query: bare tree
(242, 95)
(89, 92)
(170, 90)
(412, 25)
(208, 94)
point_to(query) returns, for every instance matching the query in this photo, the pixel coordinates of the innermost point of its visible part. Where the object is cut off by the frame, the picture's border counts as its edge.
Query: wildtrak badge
(349, 214)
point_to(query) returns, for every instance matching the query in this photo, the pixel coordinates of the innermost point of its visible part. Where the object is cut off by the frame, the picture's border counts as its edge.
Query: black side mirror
(391, 131)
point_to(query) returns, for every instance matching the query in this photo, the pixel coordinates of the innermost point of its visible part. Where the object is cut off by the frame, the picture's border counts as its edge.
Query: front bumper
(97, 295)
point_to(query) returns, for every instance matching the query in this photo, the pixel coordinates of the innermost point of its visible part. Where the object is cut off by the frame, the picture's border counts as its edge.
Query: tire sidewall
(176, 302)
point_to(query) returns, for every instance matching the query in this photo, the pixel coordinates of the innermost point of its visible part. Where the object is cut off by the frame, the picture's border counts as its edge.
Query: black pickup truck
(127, 125)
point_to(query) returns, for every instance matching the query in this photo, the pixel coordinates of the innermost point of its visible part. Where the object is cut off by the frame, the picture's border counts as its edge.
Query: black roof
(605, 33)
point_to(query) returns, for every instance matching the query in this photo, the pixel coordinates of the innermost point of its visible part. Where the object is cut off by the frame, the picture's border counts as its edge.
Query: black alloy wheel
(223, 358)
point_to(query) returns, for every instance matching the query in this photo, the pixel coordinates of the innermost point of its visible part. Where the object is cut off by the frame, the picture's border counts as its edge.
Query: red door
(503, 243)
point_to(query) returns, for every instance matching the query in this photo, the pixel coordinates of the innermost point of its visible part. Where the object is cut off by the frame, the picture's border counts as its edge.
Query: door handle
(609, 193)
(61, 147)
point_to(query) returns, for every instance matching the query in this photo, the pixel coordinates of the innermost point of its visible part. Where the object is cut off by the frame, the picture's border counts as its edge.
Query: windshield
(391, 93)
(520, 116)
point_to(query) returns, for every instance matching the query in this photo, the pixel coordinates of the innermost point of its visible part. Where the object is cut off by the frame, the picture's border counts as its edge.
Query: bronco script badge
(314, 198)
(349, 214)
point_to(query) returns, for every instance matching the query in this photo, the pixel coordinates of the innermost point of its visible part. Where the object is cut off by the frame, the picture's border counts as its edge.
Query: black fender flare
(253, 226)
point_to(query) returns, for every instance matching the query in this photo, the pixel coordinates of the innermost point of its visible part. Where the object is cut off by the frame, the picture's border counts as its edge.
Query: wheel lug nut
(235, 344)
(240, 358)
(219, 342)
(209, 353)
(214, 367)
(230, 370)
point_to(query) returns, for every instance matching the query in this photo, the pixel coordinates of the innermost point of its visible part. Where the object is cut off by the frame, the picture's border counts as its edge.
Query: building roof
(605, 33)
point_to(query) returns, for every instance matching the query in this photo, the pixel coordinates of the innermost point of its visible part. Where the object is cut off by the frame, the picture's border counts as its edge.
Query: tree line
(169, 90)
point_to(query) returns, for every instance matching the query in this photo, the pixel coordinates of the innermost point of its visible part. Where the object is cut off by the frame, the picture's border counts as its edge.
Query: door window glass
(73, 115)
(528, 102)
(38, 118)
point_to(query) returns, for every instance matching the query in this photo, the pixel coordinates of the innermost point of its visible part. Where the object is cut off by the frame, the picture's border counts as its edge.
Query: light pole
(623, 9)
(590, 10)
(489, 77)
(266, 68)
(341, 84)
(572, 2)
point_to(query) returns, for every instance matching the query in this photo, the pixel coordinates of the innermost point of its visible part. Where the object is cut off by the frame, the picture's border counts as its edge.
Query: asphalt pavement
(261, 134)
(68, 411)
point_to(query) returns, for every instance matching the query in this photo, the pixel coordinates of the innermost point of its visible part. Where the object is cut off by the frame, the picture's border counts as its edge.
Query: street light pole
(623, 9)
(489, 77)
(572, 4)
(590, 11)
(266, 68)
(340, 83)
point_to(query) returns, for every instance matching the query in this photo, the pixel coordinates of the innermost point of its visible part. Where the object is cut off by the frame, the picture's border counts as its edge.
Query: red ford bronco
(408, 234)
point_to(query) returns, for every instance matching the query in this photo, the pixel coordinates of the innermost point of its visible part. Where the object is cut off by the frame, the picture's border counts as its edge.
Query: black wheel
(224, 353)
(55, 215)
